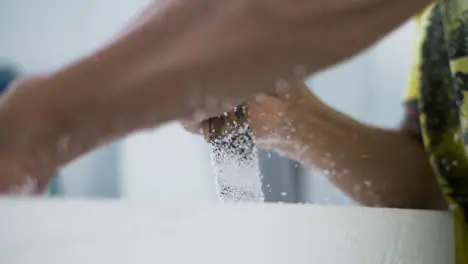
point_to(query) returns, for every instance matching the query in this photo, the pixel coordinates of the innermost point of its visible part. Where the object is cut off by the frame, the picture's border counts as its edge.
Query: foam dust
(236, 167)
(28, 187)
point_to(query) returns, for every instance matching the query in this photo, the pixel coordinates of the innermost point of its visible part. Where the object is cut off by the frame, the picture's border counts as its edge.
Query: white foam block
(124, 232)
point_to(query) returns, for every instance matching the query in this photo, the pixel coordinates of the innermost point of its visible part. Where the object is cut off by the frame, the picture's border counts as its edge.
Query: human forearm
(87, 104)
(234, 50)
(373, 166)
(53, 119)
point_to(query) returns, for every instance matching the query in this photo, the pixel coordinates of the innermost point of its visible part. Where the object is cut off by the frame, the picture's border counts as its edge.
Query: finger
(297, 92)
(193, 127)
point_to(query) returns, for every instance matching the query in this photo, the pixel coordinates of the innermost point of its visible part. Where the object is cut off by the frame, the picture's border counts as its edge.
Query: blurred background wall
(168, 164)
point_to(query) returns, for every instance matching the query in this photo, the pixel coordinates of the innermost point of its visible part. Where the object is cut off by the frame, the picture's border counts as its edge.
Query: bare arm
(373, 166)
(227, 50)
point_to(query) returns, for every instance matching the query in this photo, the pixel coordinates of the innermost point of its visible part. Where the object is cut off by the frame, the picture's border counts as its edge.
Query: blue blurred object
(7, 75)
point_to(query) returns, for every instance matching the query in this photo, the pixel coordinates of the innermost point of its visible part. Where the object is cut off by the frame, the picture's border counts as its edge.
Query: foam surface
(124, 232)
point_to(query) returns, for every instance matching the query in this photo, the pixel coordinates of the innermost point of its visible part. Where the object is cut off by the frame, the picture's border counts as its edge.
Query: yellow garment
(437, 86)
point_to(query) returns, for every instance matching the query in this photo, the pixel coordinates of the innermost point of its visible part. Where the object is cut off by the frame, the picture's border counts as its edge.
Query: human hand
(278, 118)
(274, 118)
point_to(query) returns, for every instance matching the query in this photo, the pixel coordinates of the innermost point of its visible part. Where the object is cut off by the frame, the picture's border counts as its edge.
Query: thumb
(198, 128)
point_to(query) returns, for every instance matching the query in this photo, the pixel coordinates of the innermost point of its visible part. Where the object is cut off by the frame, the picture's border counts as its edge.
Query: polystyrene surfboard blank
(125, 232)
